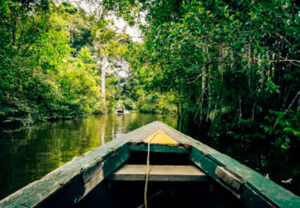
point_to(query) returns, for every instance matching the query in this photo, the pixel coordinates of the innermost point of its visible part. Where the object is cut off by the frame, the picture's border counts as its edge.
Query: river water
(29, 154)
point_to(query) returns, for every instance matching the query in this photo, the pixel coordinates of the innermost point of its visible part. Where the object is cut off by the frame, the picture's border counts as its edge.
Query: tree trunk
(102, 137)
(105, 65)
(203, 91)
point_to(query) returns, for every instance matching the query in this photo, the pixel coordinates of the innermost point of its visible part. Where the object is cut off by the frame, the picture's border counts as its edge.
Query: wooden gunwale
(159, 148)
(85, 172)
(256, 190)
(107, 158)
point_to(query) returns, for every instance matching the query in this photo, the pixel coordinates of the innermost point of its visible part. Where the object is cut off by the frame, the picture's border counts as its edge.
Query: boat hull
(73, 183)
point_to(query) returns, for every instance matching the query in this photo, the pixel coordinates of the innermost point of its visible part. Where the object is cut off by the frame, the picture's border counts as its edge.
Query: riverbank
(30, 153)
(26, 121)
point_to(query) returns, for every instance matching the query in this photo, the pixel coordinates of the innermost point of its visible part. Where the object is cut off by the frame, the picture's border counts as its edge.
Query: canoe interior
(164, 193)
(160, 194)
(88, 180)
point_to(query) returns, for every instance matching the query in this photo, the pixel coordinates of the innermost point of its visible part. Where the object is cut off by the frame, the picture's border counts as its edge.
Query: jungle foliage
(50, 61)
(231, 65)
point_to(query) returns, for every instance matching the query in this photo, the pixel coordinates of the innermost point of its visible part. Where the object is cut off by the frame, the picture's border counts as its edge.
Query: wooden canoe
(183, 172)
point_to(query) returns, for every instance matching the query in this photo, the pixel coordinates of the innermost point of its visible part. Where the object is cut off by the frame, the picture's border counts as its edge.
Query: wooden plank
(95, 174)
(271, 193)
(257, 189)
(176, 135)
(68, 184)
(72, 181)
(230, 179)
(159, 148)
(159, 137)
(159, 173)
(85, 172)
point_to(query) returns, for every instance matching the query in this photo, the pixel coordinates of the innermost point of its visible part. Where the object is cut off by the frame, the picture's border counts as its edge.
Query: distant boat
(176, 170)
(122, 111)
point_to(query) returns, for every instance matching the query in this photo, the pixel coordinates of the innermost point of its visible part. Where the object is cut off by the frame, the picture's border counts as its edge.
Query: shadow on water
(28, 154)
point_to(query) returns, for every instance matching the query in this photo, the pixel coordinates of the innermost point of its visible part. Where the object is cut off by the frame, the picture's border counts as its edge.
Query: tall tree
(233, 66)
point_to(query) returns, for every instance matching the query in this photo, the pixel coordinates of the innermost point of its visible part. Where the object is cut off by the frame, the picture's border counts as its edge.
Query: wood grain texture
(230, 179)
(79, 176)
(159, 173)
(159, 148)
(256, 190)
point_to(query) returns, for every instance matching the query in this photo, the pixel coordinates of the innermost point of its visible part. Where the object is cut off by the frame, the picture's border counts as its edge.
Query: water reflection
(29, 154)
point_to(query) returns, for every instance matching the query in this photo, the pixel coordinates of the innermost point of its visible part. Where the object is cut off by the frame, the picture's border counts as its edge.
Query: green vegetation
(49, 62)
(233, 67)
(42, 75)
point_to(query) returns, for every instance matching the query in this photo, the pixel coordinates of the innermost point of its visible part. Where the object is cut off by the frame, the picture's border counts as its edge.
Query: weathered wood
(69, 183)
(230, 179)
(270, 192)
(176, 135)
(160, 138)
(207, 165)
(256, 190)
(92, 177)
(72, 181)
(100, 170)
(159, 173)
(159, 148)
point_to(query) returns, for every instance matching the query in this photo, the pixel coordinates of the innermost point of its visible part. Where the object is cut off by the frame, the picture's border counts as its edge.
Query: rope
(148, 171)
(147, 175)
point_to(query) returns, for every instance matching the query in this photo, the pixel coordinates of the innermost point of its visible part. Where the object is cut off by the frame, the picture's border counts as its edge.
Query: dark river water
(28, 154)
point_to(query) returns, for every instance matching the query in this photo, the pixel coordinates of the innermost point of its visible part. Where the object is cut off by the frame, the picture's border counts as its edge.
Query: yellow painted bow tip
(159, 137)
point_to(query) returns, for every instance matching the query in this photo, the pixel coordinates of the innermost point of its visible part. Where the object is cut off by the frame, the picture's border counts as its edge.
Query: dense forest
(232, 67)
